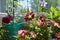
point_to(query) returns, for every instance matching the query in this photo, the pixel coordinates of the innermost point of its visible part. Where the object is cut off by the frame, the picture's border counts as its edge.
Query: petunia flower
(29, 16)
(57, 36)
(42, 19)
(39, 23)
(7, 19)
(55, 23)
(41, 16)
(22, 33)
(33, 34)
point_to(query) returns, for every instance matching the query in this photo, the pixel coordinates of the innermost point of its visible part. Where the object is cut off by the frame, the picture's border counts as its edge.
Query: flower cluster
(30, 15)
(23, 33)
(41, 20)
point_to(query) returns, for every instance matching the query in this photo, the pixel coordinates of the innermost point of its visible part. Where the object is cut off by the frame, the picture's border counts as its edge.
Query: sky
(24, 3)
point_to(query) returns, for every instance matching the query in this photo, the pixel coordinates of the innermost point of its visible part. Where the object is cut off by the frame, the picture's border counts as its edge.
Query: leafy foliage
(54, 13)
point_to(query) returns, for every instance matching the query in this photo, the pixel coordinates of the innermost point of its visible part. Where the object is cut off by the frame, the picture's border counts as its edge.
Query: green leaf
(59, 9)
(16, 3)
(52, 9)
(56, 13)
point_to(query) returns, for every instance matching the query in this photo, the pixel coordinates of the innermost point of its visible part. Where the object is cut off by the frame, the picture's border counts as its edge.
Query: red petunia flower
(55, 23)
(29, 16)
(7, 19)
(42, 18)
(41, 21)
(22, 33)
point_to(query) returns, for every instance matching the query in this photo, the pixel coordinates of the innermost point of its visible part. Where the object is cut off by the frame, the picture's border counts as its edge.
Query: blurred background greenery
(21, 6)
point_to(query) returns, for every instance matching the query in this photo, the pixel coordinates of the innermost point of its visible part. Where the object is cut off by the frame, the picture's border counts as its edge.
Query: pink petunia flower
(55, 23)
(22, 33)
(33, 34)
